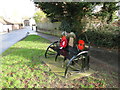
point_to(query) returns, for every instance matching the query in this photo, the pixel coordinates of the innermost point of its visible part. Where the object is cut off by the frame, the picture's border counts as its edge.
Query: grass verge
(22, 67)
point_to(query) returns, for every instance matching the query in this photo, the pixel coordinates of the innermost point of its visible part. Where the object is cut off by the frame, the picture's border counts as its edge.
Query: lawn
(23, 67)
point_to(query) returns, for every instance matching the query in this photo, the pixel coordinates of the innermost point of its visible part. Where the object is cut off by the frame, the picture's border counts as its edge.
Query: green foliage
(105, 37)
(39, 15)
(69, 14)
(72, 14)
(107, 13)
(114, 17)
(65, 26)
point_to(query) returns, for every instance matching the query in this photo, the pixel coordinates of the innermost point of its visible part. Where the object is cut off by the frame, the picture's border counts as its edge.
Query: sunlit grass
(21, 64)
(22, 67)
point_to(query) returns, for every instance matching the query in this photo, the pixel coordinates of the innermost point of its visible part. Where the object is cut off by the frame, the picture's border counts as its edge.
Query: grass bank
(23, 67)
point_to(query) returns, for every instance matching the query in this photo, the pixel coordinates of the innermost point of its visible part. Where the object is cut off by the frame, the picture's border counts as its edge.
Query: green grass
(23, 67)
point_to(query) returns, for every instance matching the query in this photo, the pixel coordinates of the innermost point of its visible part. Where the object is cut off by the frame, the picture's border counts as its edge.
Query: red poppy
(81, 44)
(63, 42)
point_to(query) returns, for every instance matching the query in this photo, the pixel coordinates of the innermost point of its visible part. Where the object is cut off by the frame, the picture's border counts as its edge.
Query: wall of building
(6, 27)
(26, 22)
(1, 27)
(15, 27)
(48, 26)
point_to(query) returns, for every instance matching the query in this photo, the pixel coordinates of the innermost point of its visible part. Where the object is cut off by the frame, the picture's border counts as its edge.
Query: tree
(72, 15)
(107, 12)
(69, 14)
(39, 16)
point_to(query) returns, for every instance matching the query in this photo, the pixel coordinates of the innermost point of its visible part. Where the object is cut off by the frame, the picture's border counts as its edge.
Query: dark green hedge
(104, 38)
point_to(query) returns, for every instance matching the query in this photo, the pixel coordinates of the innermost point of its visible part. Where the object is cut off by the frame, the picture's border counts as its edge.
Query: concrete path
(49, 37)
(9, 39)
(107, 56)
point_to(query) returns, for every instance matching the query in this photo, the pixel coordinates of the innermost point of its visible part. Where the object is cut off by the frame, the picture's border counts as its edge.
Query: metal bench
(75, 50)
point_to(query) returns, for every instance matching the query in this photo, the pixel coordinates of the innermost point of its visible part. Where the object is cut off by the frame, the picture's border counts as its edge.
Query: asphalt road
(9, 39)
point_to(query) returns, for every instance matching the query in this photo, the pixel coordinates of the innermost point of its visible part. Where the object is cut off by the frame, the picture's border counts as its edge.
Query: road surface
(9, 39)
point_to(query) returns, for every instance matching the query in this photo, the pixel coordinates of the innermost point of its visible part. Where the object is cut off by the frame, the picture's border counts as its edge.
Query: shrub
(105, 37)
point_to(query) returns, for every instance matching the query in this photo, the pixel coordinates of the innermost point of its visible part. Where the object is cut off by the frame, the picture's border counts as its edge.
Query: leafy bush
(65, 26)
(104, 37)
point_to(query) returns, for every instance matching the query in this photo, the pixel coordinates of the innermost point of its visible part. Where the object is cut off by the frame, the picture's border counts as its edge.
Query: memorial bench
(73, 49)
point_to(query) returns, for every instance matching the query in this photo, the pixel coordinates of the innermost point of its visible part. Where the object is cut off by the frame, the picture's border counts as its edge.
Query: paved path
(8, 39)
(49, 37)
(106, 56)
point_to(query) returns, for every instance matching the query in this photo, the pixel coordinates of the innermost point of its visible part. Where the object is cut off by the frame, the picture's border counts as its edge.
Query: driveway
(9, 39)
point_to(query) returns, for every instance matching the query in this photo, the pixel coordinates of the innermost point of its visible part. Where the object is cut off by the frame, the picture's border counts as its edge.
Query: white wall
(14, 27)
(32, 21)
(6, 27)
(1, 27)
(48, 25)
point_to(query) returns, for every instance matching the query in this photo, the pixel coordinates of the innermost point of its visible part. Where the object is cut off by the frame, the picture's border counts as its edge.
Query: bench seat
(68, 52)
